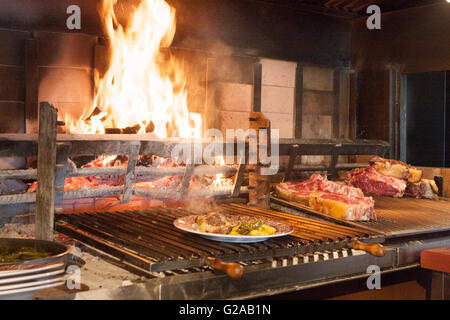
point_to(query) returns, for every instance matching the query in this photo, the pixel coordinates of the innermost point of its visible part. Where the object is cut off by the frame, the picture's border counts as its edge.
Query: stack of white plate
(24, 284)
(23, 280)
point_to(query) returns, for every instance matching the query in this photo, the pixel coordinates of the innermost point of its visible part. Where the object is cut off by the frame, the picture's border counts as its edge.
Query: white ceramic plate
(30, 284)
(187, 224)
(27, 293)
(30, 277)
(9, 273)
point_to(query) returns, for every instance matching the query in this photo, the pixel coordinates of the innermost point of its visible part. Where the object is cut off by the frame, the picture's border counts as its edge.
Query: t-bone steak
(372, 182)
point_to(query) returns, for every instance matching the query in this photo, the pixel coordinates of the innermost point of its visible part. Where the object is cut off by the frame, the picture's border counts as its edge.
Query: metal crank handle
(374, 249)
(234, 270)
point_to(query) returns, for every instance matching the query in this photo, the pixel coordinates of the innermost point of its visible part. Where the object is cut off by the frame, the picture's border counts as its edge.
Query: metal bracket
(239, 177)
(131, 167)
(294, 152)
(184, 189)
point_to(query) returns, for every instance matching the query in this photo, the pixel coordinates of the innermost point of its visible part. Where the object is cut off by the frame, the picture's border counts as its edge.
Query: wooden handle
(374, 249)
(234, 270)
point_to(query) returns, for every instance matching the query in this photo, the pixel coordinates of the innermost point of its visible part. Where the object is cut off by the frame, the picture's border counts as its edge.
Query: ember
(142, 181)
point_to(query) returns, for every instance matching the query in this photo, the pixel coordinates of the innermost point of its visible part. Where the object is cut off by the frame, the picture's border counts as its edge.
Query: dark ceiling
(350, 8)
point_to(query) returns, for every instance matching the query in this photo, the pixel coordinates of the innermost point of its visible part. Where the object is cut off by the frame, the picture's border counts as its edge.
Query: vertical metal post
(131, 167)
(239, 176)
(62, 156)
(337, 102)
(257, 85)
(393, 90)
(293, 154)
(353, 105)
(403, 117)
(259, 185)
(298, 101)
(31, 86)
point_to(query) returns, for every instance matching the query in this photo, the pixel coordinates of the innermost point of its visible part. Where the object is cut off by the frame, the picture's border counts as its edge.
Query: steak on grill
(372, 182)
(425, 188)
(396, 169)
(300, 191)
(343, 207)
(333, 198)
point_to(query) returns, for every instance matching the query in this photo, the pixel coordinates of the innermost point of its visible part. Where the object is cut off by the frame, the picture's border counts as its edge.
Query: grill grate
(395, 216)
(148, 239)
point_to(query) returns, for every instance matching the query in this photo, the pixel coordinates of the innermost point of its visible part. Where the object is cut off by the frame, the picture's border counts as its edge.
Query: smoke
(201, 206)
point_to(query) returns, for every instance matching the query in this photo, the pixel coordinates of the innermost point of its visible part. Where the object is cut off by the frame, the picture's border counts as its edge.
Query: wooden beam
(335, 3)
(46, 172)
(348, 6)
(365, 5)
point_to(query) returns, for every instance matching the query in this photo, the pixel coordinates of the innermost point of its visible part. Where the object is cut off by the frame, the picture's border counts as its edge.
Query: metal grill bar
(120, 171)
(153, 243)
(395, 216)
(303, 225)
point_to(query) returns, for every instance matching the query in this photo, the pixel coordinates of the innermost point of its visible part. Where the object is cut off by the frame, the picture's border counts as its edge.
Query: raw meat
(300, 191)
(342, 206)
(372, 182)
(425, 188)
(396, 169)
(333, 198)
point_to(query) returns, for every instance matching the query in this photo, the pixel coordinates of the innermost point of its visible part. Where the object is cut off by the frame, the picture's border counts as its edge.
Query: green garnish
(246, 227)
(22, 254)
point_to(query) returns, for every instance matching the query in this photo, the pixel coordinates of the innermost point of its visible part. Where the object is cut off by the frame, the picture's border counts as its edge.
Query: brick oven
(296, 79)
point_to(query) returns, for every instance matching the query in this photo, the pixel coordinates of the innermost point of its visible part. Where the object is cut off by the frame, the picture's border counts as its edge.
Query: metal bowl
(58, 252)
(21, 280)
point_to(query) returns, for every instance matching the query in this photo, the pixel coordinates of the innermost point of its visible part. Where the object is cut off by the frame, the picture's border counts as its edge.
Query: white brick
(66, 85)
(9, 163)
(318, 78)
(317, 127)
(234, 96)
(278, 73)
(233, 120)
(282, 122)
(277, 99)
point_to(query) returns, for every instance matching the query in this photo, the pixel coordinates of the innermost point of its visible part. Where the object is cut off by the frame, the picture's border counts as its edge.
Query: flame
(219, 161)
(139, 88)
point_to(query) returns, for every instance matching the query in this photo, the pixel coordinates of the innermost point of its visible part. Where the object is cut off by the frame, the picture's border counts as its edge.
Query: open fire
(142, 91)
(141, 87)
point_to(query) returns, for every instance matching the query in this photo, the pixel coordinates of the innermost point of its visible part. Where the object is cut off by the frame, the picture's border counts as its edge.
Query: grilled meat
(372, 182)
(300, 191)
(343, 207)
(425, 188)
(215, 222)
(396, 169)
